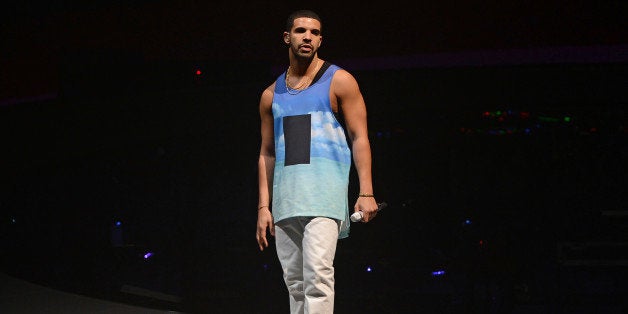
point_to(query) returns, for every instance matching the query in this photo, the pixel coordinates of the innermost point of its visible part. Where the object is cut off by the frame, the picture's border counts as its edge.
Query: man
(304, 165)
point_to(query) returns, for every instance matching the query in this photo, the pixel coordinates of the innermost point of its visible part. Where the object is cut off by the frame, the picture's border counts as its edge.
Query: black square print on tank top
(297, 136)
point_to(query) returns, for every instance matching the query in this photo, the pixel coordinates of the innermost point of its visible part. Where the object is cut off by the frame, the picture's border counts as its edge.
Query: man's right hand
(264, 223)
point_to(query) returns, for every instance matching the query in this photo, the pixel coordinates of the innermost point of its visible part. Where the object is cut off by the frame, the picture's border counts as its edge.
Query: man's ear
(286, 38)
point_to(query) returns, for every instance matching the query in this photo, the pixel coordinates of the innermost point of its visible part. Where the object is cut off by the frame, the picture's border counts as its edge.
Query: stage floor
(20, 296)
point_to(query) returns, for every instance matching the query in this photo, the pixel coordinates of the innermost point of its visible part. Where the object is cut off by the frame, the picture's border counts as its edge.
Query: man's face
(305, 37)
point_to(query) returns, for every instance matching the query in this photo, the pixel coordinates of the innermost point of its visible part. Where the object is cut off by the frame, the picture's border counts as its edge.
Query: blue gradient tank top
(313, 158)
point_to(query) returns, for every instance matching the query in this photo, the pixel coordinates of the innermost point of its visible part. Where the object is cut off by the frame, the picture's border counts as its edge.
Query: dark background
(498, 135)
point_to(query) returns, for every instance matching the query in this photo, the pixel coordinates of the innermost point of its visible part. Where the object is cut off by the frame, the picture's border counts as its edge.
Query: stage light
(148, 255)
(117, 238)
(13, 220)
(369, 269)
(467, 222)
(438, 273)
(198, 72)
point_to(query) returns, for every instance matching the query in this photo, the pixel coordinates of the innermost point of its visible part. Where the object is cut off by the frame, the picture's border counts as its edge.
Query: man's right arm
(266, 166)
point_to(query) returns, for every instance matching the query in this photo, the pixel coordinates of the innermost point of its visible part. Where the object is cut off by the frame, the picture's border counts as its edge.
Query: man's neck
(304, 67)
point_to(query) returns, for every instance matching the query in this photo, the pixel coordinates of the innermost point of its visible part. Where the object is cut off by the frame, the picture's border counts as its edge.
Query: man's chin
(308, 55)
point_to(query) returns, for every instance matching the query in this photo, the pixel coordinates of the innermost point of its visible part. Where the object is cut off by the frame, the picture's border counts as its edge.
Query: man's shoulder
(268, 93)
(342, 76)
(270, 89)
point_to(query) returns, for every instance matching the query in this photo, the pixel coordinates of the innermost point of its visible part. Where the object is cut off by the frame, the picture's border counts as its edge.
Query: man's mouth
(306, 47)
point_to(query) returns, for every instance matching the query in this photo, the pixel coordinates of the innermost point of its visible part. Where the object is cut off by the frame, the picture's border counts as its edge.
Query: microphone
(357, 216)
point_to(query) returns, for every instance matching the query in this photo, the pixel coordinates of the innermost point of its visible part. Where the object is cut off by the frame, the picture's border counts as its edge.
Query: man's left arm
(350, 101)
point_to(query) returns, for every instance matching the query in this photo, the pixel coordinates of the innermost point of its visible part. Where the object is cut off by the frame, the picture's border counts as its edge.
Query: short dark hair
(301, 13)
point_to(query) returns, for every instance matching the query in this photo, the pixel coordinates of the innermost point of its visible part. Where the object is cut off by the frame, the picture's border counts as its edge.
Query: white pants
(306, 247)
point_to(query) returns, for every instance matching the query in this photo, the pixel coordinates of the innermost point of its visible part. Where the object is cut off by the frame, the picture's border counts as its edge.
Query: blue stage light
(438, 273)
